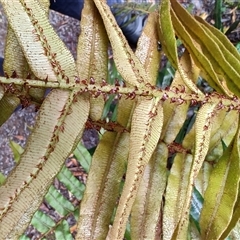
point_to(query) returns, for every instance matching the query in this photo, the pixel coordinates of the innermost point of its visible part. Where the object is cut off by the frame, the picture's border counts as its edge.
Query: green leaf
(223, 61)
(113, 73)
(220, 37)
(168, 40)
(218, 14)
(165, 76)
(238, 47)
(17, 150)
(83, 157)
(76, 213)
(224, 146)
(166, 33)
(63, 232)
(232, 27)
(109, 107)
(193, 231)
(7, 106)
(58, 201)
(127, 234)
(42, 222)
(2, 178)
(24, 237)
(73, 184)
(196, 207)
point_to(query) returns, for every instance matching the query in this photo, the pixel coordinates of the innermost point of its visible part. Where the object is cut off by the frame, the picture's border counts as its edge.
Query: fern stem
(175, 95)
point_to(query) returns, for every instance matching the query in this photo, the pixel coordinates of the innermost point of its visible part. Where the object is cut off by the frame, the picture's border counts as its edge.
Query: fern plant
(196, 194)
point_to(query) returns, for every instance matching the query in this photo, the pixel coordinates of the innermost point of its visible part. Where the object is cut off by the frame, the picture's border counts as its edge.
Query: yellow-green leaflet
(143, 140)
(200, 59)
(146, 180)
(202, 139)
(14, 51)
(7, 105)
(167, 37)
(22, 194)
(127, 63)
(148, 203)
(175, 113)
(92, 55)
(224, 129)
(202, 179)
(176, 193)
(55, 133)
(221, 193)
(223, 41)
(107, 169)
(29, 15)
(146, 50)
(234, 227)
(223, 62)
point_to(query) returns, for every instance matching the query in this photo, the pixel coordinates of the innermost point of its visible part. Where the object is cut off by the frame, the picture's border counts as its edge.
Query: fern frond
(143, 138)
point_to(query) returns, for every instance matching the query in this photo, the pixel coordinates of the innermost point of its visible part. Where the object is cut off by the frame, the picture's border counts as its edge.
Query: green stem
(218, 14)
